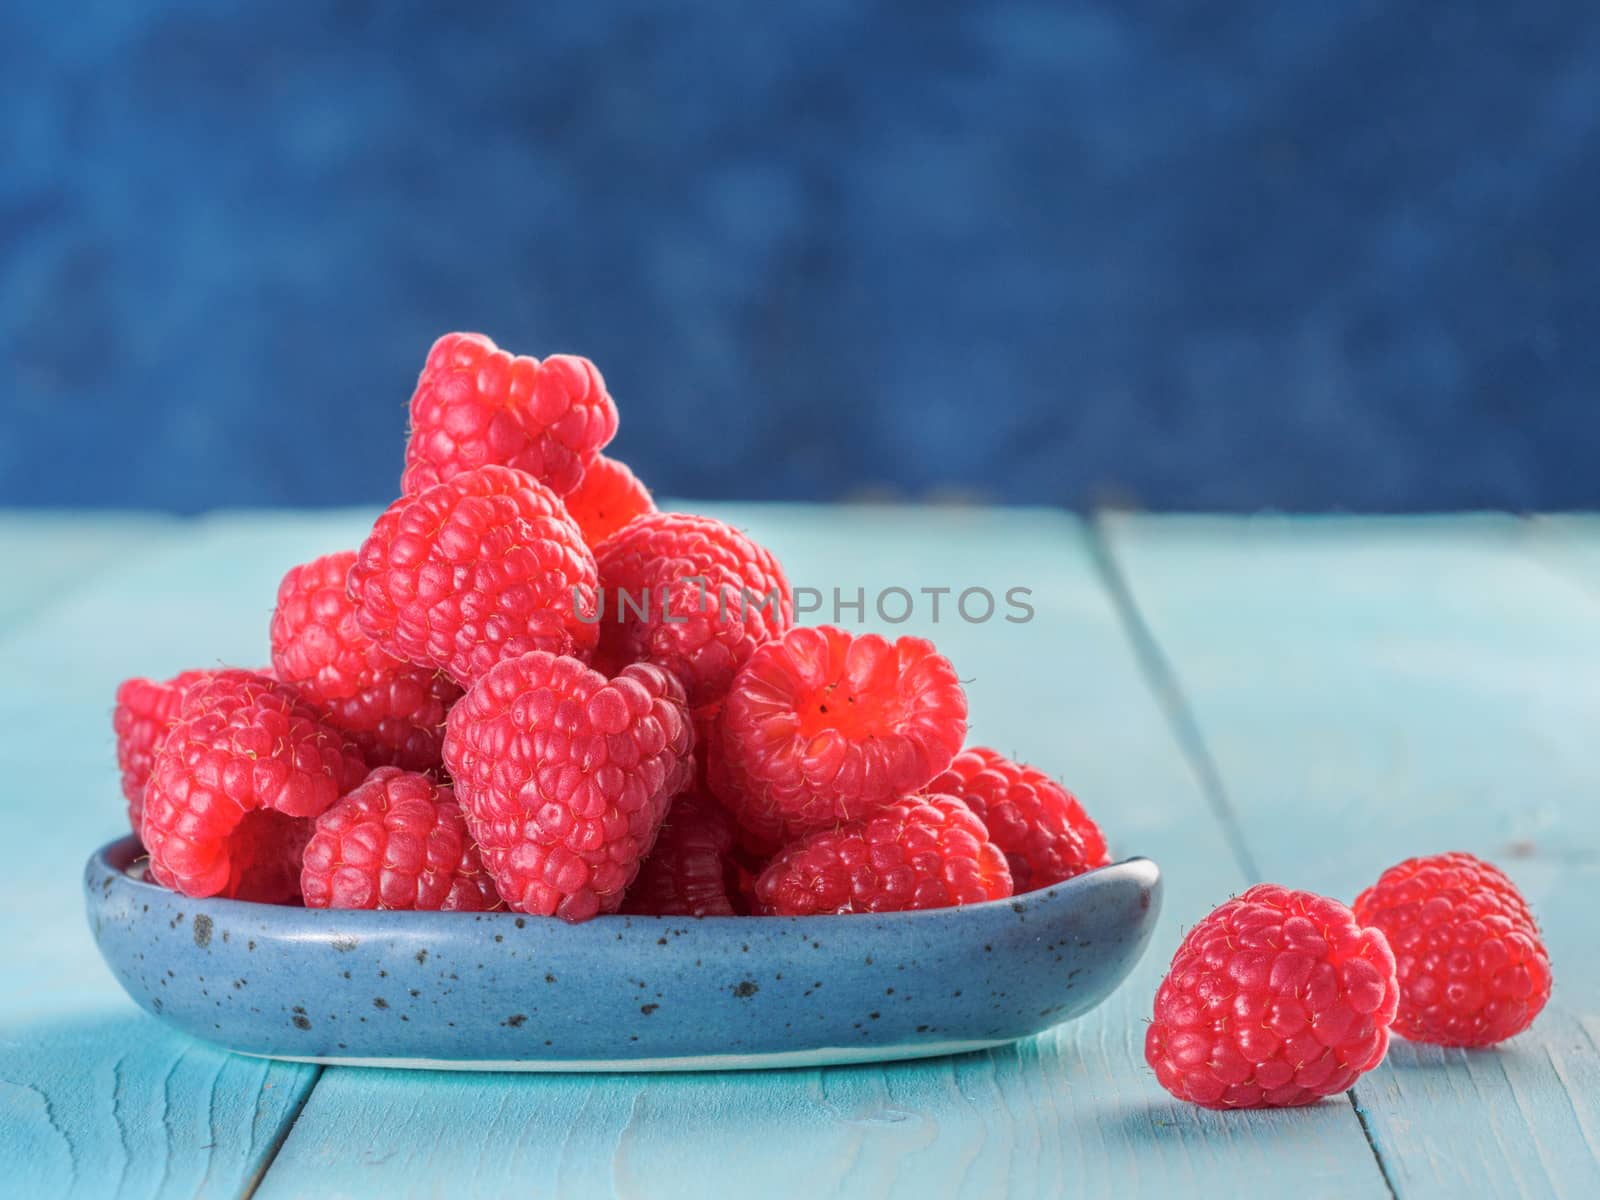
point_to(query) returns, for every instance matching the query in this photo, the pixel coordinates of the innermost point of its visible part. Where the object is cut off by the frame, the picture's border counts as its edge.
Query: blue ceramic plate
(498, 991)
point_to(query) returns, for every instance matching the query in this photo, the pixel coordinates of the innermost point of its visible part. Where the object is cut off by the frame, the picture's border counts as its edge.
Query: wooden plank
(48, 553)
(1075, 1111)
(1370, 690)
(95, 1097)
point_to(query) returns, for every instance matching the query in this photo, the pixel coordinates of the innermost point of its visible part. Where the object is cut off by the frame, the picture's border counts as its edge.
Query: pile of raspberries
(529, 688)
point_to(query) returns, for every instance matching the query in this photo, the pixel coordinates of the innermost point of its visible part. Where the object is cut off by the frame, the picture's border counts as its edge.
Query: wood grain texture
(1073, 1112)
(1370, 690)
(97, 1099)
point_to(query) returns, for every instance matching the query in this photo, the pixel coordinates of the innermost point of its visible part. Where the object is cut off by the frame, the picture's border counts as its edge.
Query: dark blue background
(1297, 254)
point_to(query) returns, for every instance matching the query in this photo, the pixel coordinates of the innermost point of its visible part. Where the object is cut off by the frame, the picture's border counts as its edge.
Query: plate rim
(1135, 869)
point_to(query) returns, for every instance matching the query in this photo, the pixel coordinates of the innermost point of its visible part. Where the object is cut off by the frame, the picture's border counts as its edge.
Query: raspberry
(565, 777)
(1275, 999)
(476, 405)
(145, 711)
(397, 841)
(725, 594)
(264, 852)
(393, 711)
(821, 727)
(1046, 835)
(926, 851)
(1473, 970)
(400, 723)
(243, 744)
(692, 872)
(608, 498)
(485, 567)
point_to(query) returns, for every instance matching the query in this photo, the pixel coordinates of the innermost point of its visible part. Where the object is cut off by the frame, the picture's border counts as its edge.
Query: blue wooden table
(1298, 700)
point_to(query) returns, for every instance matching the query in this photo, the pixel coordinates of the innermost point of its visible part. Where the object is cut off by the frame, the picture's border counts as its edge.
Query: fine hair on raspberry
(926, 851)
(476, 405)
(482, 568)
(1473, 968)
(691, 594)
(394, 710)
(243, 744)
(397, 841)
(1044, 831)
(565, 777)
(145, 710)
(1276, 999)
(823, 726)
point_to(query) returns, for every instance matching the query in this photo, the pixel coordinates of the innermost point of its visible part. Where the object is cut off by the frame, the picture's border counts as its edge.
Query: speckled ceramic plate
(498, 991)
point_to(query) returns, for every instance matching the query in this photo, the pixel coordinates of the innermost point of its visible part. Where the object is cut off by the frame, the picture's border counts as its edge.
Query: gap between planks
(1164, 684)
(285, 1128)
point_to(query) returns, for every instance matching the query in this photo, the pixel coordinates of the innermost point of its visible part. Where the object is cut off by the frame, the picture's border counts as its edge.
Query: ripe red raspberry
(708, 594)
(1275, 999)
(926, 851)
(242, 744)
(264, 853)
(608, 498)
(1046, 835)
(822, 727)
(565, 777)
(692, 872)
(397, 841)
(400, 723)
(145, 711)
(485, 567)
(394, 711)
(476, 405)
(1473, 970)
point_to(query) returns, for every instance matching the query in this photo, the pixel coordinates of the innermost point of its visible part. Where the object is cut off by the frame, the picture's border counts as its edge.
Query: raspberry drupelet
(393, 710)
(476, 405)
(146, 709)
(693, 870)
(565, 777)
(608, 498)
(691, 594)
(1276, 999)
(398, 841)
(926, 851)
(1473, 970)
(821, 726)
(1046, 835)
(485, 567)
(234, 782)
